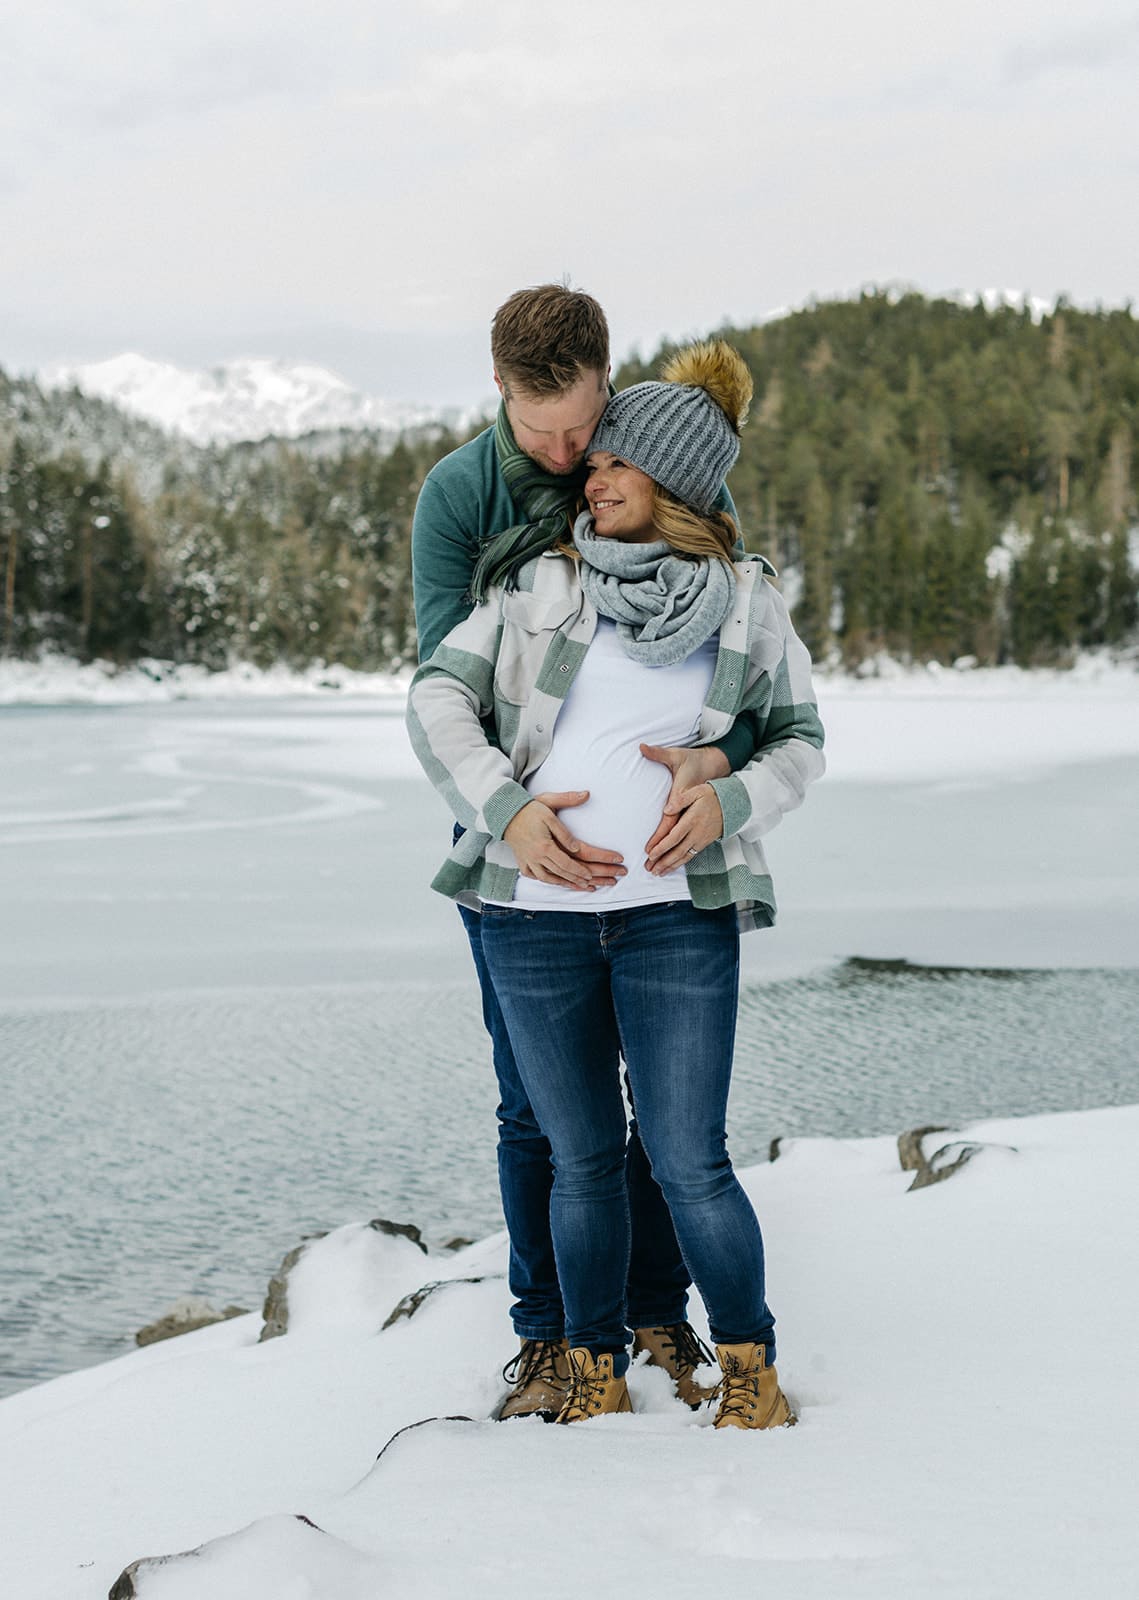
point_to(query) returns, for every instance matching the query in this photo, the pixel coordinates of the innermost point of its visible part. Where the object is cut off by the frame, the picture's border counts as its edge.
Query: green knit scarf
(548, 501)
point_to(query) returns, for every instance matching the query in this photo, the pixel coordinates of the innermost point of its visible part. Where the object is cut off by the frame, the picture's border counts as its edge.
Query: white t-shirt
(614, 705)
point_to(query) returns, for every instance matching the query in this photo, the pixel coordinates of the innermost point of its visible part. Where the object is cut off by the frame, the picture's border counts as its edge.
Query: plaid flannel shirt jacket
(482, 711)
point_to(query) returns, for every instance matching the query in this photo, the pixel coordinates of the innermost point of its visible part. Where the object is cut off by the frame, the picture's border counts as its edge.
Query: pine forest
(934, 480)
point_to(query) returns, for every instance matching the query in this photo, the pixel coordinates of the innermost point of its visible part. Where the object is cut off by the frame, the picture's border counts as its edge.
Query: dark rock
(185, 1317)
(889, 967)
(399, 1230)
(411, 1303)
(457, 1243)
(129, 1583)
(275, 1311)
(940, 1167)
(943, 1163)
(910, 1152)
(424, 1422)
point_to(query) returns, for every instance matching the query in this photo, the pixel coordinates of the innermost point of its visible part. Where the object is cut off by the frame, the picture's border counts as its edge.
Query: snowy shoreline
(193, 885)
(951, 1439)
(60, 680)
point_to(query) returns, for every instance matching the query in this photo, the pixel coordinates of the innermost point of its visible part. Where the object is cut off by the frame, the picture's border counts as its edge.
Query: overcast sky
(361, 184)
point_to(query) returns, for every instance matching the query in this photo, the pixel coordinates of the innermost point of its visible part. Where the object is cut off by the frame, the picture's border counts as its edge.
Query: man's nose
(562, 450)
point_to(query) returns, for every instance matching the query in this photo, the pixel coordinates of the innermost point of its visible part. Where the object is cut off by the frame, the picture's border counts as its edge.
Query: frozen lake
(231, 1012)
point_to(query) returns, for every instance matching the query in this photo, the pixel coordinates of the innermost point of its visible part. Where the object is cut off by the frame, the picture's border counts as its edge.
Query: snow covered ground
(60, 680)
(961, 1358)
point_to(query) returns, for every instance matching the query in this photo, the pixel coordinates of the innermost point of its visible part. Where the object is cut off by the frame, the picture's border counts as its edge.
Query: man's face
(555, 430)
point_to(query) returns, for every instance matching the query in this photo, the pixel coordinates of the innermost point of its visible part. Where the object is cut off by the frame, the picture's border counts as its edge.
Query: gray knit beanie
(686, 440)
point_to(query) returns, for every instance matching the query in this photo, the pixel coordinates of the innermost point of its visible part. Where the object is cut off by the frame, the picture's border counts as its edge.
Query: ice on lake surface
(232, 1013)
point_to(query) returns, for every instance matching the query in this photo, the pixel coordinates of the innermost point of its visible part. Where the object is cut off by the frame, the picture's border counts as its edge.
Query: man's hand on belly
(545, 849)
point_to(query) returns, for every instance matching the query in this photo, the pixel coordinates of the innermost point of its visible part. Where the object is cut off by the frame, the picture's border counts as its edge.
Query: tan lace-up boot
(678, 1349)
(539, 1380)
(750, 1396)
(594, 1391)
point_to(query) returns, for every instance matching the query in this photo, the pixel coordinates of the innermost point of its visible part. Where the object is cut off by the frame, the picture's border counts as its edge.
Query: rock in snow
(960, 1357)
(185, 1316)
(947, 1159)
(310, 1557)
(373, 1263)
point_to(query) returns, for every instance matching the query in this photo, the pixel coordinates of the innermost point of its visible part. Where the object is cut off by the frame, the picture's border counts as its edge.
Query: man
(482, 510)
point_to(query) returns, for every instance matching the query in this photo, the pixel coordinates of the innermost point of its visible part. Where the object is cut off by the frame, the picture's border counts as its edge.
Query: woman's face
(620, 497)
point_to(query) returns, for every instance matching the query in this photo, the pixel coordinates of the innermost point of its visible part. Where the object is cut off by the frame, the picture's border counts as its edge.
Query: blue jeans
(657, 985)
(657, 1280)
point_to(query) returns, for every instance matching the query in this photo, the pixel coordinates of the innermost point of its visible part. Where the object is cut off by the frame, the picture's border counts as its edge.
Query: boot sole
(520, 1416)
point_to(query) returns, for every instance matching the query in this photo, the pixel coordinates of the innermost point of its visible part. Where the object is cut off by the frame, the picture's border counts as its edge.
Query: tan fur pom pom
(717, 369)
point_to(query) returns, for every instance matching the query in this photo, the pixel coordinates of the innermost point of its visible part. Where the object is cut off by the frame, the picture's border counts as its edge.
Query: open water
(231, 1014)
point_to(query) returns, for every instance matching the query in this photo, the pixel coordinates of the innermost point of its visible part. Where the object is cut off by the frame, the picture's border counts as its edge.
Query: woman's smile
(620, 496)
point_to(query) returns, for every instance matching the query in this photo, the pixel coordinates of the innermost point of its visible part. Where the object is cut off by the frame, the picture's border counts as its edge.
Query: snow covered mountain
(241, 400)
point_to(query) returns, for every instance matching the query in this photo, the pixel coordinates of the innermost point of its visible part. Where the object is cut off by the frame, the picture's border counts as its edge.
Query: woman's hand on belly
(698, 825)
(545, 849)
(692, 817)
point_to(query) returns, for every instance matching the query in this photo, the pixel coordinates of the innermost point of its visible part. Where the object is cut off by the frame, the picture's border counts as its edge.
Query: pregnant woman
(638, 631)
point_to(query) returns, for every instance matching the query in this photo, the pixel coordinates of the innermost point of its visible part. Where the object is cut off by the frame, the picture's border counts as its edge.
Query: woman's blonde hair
(690, 533)
(693, 533)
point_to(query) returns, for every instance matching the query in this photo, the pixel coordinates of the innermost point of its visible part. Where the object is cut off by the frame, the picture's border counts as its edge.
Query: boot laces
(691, 1351)
(536, 1359)
(585, 1392)
(738, 1390)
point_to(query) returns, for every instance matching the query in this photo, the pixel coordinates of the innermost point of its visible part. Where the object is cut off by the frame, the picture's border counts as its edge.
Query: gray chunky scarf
(665, 605)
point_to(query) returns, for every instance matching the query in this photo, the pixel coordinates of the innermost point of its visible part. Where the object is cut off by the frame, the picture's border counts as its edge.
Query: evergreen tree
(935, 479)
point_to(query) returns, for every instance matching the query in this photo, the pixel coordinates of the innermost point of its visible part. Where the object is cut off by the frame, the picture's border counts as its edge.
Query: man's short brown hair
(543, 339)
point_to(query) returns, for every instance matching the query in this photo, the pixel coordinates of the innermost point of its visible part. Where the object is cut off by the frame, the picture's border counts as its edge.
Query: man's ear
(499, 385)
